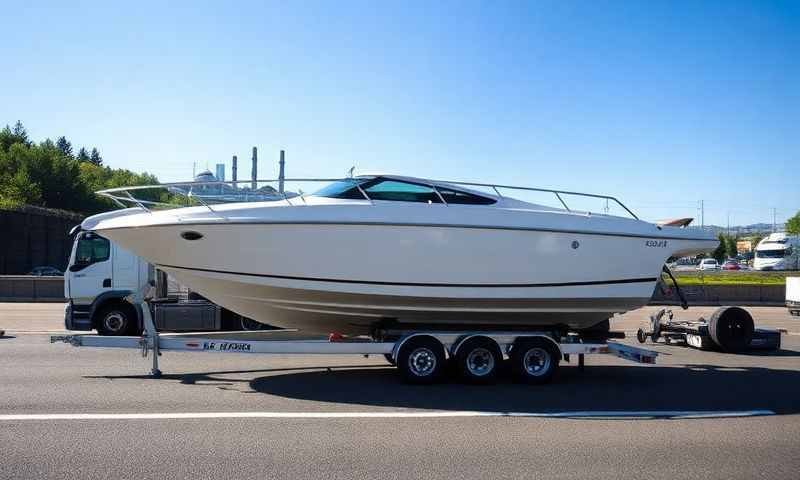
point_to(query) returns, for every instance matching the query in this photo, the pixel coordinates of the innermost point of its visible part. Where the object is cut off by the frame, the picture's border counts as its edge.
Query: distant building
(744, 245)
(221, 172)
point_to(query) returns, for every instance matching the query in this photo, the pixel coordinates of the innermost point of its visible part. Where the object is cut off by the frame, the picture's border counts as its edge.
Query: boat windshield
(388, 189)
(342, 189)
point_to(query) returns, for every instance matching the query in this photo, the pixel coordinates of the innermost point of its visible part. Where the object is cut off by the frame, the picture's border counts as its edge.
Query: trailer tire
(731, 328)
(534, 360)
(421, 360)
(478, 360)
(116, 319)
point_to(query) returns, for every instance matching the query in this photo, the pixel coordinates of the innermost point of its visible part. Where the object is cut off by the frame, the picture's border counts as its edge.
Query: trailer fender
(399, 345)
(463, 339)
(536, 335)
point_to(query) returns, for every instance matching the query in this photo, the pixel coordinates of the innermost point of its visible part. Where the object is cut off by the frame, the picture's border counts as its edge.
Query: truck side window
(92, 249)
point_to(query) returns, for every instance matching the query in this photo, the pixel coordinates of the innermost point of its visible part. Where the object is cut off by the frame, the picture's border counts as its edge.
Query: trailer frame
(152, 343)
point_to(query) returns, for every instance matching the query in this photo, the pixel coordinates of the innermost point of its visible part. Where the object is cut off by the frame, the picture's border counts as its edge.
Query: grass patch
(731, 278)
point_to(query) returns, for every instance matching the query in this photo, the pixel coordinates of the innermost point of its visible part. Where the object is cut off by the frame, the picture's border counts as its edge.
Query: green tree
(95, 157)
(21, 133)
(719, 252)
(730, 247)
(64, 146)
(9, 137)
(793, 224)
(45, 175)
(83, 155)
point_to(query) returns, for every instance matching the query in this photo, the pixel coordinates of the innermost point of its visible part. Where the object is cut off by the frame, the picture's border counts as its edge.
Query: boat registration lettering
(656, 243)
(226, 346)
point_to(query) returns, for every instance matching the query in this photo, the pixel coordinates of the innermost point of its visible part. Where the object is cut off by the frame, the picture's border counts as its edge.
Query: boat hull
(352, 278)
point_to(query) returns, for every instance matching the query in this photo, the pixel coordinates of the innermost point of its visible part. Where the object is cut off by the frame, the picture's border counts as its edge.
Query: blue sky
(660, 103)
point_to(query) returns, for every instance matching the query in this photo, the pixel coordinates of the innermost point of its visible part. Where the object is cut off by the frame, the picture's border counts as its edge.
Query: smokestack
(233, 168)
(255, 168)
(281, 175)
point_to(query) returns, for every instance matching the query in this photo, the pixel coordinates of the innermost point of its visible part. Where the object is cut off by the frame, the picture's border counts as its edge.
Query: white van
(778, 251)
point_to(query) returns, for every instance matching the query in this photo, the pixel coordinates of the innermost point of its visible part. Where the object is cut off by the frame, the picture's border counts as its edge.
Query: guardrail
(28, 288)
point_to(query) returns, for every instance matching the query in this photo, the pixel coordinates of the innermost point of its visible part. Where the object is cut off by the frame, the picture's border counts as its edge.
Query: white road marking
(427, 414)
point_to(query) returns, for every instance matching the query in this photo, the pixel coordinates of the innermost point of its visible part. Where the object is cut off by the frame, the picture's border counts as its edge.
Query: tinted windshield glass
(342, 189)
(91, 249)
(397, 191)
(463, 198)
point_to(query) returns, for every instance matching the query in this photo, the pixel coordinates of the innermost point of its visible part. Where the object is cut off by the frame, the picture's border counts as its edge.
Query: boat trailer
(421, 356)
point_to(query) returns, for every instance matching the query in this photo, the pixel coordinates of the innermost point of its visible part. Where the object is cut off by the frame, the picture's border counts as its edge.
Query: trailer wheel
(534, 360)
(731, 328)
(641, 336)
(478, 360)
(421, 360)
(116, 319)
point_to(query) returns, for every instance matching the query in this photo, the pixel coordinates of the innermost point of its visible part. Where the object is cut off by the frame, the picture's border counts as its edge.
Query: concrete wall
(725, 295)
(32, 237)
(25, 288)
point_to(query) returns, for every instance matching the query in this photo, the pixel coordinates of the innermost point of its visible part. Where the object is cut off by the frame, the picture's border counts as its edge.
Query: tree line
(49, 174)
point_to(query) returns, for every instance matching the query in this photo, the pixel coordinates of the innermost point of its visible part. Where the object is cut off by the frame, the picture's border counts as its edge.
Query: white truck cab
(100, 276)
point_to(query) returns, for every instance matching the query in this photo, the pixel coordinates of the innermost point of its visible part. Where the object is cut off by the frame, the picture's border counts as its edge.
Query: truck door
(125, 269)
(89, 272)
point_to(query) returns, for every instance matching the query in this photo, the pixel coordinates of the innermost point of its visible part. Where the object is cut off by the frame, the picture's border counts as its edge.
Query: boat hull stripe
(417, 284)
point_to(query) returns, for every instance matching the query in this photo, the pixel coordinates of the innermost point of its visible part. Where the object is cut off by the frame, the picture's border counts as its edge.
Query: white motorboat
(375, 251)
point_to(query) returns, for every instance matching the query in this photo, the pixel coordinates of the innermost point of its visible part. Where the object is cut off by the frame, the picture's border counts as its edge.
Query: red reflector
(193, 345)
(335, 337)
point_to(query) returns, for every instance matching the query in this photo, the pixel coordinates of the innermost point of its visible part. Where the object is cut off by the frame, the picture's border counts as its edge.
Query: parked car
(731, 265)
(708, 264)
(46, 272)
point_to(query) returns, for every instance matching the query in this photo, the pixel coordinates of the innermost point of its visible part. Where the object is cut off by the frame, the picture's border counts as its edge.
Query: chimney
(255, 168)
(233, 169)
(281, 174)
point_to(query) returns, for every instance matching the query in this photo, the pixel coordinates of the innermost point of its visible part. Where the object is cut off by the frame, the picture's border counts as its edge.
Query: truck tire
(116, 319)
(421, 360)
(478, 360)
(731, 328)
(534, 360)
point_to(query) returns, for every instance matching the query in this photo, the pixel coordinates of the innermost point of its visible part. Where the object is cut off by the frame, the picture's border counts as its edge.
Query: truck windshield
(92, 249)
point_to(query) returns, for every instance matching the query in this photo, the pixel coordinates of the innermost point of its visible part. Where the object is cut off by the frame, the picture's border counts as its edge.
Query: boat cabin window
(463, 198)
(91, 249)
(394, 190)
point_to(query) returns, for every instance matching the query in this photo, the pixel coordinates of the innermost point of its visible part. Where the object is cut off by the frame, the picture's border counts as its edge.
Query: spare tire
(731, 328)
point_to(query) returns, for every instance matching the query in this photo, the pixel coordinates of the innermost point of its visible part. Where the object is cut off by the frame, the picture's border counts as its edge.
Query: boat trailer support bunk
(153, 343)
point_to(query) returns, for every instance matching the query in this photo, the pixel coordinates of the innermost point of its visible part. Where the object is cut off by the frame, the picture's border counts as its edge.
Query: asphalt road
(41, 378)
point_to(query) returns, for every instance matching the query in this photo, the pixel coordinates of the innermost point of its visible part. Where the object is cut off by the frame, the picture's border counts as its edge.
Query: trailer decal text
(225, 346)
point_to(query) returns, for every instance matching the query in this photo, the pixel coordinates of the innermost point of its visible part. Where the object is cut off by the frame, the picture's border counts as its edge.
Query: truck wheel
(478, 360)
(116, 319)
(731, 328)
(421, 360)
(534, 360)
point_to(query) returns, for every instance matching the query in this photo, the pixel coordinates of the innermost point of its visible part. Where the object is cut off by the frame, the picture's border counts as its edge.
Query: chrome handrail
(111, 193)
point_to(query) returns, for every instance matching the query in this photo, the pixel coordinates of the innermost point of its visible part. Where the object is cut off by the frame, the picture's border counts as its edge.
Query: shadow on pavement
(599, 388)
